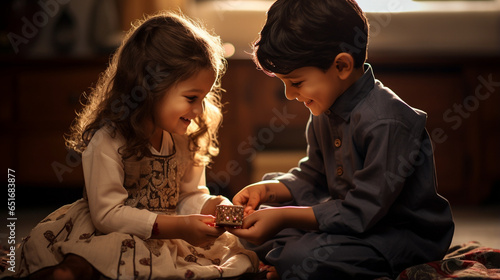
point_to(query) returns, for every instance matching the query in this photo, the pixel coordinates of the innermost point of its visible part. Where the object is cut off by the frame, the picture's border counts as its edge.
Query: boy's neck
(355, 75)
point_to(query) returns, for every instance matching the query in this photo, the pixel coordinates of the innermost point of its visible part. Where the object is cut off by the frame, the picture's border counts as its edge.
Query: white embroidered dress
(112, 225)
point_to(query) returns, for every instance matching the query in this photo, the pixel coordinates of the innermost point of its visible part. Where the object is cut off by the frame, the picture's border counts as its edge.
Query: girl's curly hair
(158, 52)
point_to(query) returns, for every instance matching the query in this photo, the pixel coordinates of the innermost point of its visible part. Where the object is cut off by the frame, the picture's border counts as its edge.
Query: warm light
(229, 50)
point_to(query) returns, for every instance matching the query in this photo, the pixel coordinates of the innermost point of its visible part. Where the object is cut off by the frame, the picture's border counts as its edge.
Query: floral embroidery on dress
(86, 236)
(120, 255)
(189, 274)
(52, 238)
(152, 183)
(145, 261)
(127, 243)
(154, 246)
(60, 217)
(194, 256)
(191, 258)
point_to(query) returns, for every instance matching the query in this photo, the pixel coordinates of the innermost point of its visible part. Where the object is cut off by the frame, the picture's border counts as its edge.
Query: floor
(480, 224)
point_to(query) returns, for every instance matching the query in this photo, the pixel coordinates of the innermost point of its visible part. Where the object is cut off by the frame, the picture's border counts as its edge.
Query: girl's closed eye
(191, 98)
(296, 84)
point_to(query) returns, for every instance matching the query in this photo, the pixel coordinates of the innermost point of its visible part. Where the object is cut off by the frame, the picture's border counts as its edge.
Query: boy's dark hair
(300, 33)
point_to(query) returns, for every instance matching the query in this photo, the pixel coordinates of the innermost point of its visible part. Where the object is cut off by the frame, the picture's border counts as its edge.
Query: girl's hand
(212, 202)
(260, 226)
(199, 230)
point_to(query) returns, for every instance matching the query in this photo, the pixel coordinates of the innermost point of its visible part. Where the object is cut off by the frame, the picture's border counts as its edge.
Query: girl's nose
(291, 93)
(198, 108)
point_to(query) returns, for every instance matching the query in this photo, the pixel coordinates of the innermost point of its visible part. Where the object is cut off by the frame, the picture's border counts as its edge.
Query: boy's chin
(316, 112)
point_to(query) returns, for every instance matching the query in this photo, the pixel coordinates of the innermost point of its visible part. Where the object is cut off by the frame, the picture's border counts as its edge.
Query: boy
(365, 200)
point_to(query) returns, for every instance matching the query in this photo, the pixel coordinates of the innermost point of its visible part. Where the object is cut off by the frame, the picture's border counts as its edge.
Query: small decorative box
(229, 215)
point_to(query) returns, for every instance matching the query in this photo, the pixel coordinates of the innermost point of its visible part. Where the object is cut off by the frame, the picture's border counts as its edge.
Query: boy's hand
(251, 197)
(260, 226)
(271, 191)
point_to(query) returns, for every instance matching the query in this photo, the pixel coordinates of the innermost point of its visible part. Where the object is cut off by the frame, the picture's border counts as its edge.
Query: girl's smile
(182, 103)
(186, 121)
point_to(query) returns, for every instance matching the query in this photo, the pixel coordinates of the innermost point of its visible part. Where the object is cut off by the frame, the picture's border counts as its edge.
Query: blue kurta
(369, 174)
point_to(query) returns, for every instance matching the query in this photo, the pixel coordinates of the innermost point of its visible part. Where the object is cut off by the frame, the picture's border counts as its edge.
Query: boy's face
(316, 88)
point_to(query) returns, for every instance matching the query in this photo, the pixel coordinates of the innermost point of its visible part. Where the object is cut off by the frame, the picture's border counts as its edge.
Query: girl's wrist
(167, 227)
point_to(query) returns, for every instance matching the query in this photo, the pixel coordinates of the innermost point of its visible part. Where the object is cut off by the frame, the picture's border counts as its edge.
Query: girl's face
(314, 87)
(183, 102)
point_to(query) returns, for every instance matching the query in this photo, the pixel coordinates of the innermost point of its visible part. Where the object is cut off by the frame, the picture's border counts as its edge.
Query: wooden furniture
(40, 101)
(460, 95)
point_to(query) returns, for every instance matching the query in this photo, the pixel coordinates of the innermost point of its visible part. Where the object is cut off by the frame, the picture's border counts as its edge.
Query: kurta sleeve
(387, 145)
(104, 176)
(307, 183)
(387, 149)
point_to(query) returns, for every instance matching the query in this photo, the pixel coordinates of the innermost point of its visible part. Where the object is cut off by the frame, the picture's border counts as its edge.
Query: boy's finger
(239, 199)
(248, 210)
(243, 233)
(253, 200)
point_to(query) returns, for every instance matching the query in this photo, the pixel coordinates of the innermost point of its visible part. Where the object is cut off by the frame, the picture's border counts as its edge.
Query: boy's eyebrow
(291, 76)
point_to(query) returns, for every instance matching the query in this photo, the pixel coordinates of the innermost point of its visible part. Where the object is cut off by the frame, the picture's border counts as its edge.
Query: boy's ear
(344, 64)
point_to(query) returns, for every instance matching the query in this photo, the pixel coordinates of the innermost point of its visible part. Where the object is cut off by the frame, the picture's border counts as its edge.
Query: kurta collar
(346, 102)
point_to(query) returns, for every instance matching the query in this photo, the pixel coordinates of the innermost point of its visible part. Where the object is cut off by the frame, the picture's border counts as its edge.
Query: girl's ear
(344, 64)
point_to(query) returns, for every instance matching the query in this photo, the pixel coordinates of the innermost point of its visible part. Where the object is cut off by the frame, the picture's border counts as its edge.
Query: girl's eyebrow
(195, 90)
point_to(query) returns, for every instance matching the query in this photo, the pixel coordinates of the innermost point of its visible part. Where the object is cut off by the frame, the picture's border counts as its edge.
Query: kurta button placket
(337, 143)
(340, 171)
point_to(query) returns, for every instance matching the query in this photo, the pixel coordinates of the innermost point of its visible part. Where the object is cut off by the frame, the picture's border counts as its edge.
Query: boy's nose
(291, 93)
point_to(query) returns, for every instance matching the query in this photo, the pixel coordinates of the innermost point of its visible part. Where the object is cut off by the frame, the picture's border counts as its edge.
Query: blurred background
(439, 56)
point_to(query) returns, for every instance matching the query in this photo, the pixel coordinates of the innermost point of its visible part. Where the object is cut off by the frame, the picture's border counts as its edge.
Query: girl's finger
(208, 219)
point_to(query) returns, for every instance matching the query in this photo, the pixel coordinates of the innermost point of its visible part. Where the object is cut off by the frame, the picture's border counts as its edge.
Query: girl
(146, 135)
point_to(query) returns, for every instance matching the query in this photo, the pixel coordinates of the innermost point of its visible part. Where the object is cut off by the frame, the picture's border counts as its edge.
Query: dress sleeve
(104, 175)
(193, 192)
